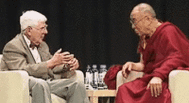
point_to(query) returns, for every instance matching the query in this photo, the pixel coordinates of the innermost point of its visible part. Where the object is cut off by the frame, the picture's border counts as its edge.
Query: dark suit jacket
(17, 56)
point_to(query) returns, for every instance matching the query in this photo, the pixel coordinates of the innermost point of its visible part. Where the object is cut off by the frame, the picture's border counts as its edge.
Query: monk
(163, 47)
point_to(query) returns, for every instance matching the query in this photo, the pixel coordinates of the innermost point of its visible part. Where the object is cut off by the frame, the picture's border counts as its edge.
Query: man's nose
(45, 31)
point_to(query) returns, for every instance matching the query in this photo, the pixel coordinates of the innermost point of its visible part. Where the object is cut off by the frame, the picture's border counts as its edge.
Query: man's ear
(28, 31)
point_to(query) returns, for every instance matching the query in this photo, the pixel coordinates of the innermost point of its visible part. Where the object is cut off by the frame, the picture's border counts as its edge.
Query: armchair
(178, 84)
(14, 87)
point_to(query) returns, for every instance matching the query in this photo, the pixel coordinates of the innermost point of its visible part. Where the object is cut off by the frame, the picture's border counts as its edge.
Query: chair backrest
(0, 57)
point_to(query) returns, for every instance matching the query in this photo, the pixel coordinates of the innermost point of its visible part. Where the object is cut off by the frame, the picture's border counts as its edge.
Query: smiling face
(37, 33)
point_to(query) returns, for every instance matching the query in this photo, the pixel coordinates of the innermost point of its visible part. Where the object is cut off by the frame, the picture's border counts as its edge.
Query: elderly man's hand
(59, 58)
(62, 58)
(74, 64)
(155, 85)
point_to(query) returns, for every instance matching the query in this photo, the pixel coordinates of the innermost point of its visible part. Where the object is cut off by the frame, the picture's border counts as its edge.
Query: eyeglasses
(134, 22)
(42, 28)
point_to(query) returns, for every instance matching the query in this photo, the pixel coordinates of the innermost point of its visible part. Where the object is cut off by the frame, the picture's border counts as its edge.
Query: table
(94, 94)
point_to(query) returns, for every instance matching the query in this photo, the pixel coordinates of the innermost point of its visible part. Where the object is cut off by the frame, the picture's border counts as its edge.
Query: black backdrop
(96, 31)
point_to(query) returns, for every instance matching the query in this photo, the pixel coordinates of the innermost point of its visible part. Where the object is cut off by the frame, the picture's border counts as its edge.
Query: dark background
(96, 31)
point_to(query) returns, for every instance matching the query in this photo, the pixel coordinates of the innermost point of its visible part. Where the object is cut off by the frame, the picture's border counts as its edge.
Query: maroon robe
(110, 77)
(166, 50)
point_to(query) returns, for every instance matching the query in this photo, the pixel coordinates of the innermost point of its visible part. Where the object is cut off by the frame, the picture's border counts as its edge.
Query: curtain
(95, 31)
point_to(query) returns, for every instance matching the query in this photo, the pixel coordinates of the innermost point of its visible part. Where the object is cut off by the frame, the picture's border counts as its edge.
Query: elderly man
(163, 47)
(27, 51)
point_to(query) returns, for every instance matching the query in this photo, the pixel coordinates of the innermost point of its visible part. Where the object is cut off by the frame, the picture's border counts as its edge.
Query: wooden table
(94, 94)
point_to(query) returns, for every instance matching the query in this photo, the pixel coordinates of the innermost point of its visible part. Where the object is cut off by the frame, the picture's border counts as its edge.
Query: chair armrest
(119, 79)
(14, 87)
(179, 86)
(80, 75)
(132, 76)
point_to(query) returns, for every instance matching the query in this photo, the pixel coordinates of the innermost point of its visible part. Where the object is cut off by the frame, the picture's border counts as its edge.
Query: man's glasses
(134, 22)
(42, 28)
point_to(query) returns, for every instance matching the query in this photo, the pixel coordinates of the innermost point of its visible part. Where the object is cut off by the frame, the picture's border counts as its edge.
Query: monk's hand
(127, 66)
(155, 86)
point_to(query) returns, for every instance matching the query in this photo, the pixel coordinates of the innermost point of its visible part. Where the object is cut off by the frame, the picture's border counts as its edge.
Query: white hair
(31, 18)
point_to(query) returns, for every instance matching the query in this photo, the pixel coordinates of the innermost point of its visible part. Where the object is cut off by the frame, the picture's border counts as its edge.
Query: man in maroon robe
(163, 48)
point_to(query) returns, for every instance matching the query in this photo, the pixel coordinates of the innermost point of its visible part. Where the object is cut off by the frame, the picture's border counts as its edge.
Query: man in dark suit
(27, 51)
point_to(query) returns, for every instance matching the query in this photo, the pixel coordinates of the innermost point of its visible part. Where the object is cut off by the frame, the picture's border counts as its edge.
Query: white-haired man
(163, 47)
(27, 51)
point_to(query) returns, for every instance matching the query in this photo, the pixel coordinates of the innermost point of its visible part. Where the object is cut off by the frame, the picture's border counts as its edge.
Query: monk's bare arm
(132, 66)
(139, 66)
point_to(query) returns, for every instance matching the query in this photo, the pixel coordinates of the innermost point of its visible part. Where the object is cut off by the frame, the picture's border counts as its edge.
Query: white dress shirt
(34, 50)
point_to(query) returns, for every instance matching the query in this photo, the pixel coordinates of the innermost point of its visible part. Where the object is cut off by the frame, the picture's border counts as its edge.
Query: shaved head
(144, 8)
(143, 19)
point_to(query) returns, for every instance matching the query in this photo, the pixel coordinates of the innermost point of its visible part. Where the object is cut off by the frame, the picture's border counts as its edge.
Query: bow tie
(33, 46)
